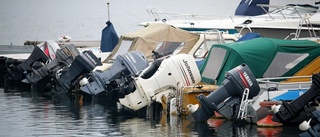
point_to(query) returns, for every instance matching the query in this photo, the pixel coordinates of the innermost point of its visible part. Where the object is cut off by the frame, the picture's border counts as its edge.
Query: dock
(77, 43)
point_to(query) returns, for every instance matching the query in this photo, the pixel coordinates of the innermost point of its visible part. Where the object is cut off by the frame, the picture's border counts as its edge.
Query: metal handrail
(279, 78)
(155, 12)
(270, 81)
(179, 97)
(242, 114)
(309, 26)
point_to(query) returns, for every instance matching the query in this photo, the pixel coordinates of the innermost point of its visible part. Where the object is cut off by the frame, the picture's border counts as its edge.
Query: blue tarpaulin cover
(249, 36)
(109, 38)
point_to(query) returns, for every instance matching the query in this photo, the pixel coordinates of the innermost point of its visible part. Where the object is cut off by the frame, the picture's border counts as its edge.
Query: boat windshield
(204, 48)
(217, 57)
(125, 45)
(295, 9)
(168, 48)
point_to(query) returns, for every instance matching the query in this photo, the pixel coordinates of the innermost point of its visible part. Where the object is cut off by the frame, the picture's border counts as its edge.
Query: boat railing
(210, 37)
(243, 109)
(282, 9)
(179, 97)
(219, 37)
(164, 16)
(304, 22)
(278, 11)
(244, 26)
(291, 82)
(309, 26)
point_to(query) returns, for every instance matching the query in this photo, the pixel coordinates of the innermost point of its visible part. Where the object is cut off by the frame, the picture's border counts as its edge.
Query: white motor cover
(178, 68)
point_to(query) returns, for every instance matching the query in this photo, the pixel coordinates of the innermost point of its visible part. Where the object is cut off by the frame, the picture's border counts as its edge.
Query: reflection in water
(35, 114)
(270, 132)
(230, 128)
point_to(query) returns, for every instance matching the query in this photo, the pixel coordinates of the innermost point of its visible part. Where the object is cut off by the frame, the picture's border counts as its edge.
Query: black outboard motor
(288, 112)
(119, 74)
(12, 69)
(311, 131)
(236, 81)
(64, 57)
(18, 71)
(68, 77)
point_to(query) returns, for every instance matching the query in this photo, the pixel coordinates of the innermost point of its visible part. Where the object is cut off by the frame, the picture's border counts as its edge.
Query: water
(41, 20)
(32, 114)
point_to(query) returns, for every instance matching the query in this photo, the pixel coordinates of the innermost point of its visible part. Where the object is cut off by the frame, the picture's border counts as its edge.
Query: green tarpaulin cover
(266, 57)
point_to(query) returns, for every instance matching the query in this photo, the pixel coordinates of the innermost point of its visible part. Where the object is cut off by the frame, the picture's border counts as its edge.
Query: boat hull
(277, 32)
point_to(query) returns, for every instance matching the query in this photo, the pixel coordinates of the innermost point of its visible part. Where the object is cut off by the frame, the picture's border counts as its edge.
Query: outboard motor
(41, 54)
(64, 57)
(68, 77)
(161, 78)
(19, 71)
(292, 110)
(236, 81)
(125, 66)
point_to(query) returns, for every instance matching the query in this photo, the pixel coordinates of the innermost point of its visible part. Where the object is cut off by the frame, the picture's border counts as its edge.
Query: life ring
(64, 38)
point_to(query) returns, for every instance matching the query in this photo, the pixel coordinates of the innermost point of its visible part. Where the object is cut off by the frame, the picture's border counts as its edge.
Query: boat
(51, 67)
(136, 84)
(149, 36)
(64, 38)
(305, 25)
(202, 42)
(132, 67)
(192, 22)
(300, 107)
(160, 36)
(155, 38)
(167, 40)
(282, 65)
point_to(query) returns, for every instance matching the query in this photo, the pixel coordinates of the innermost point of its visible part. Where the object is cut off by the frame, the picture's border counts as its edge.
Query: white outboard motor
(160, 78)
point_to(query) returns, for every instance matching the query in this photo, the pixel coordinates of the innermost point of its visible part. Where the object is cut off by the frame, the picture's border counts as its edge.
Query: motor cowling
(160, 78)
(63, 58)
(70, 76)
(236, 81)
(124, 66)
(41, 54)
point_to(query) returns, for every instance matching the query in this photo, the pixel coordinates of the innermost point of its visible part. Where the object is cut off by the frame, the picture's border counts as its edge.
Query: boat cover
(250, 8)
(161, 37)
(266, 57)
(109, 38)
(249, 35)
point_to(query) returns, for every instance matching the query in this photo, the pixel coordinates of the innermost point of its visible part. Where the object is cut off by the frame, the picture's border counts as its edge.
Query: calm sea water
(32, 114)
(29, 113)
(22, 20)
